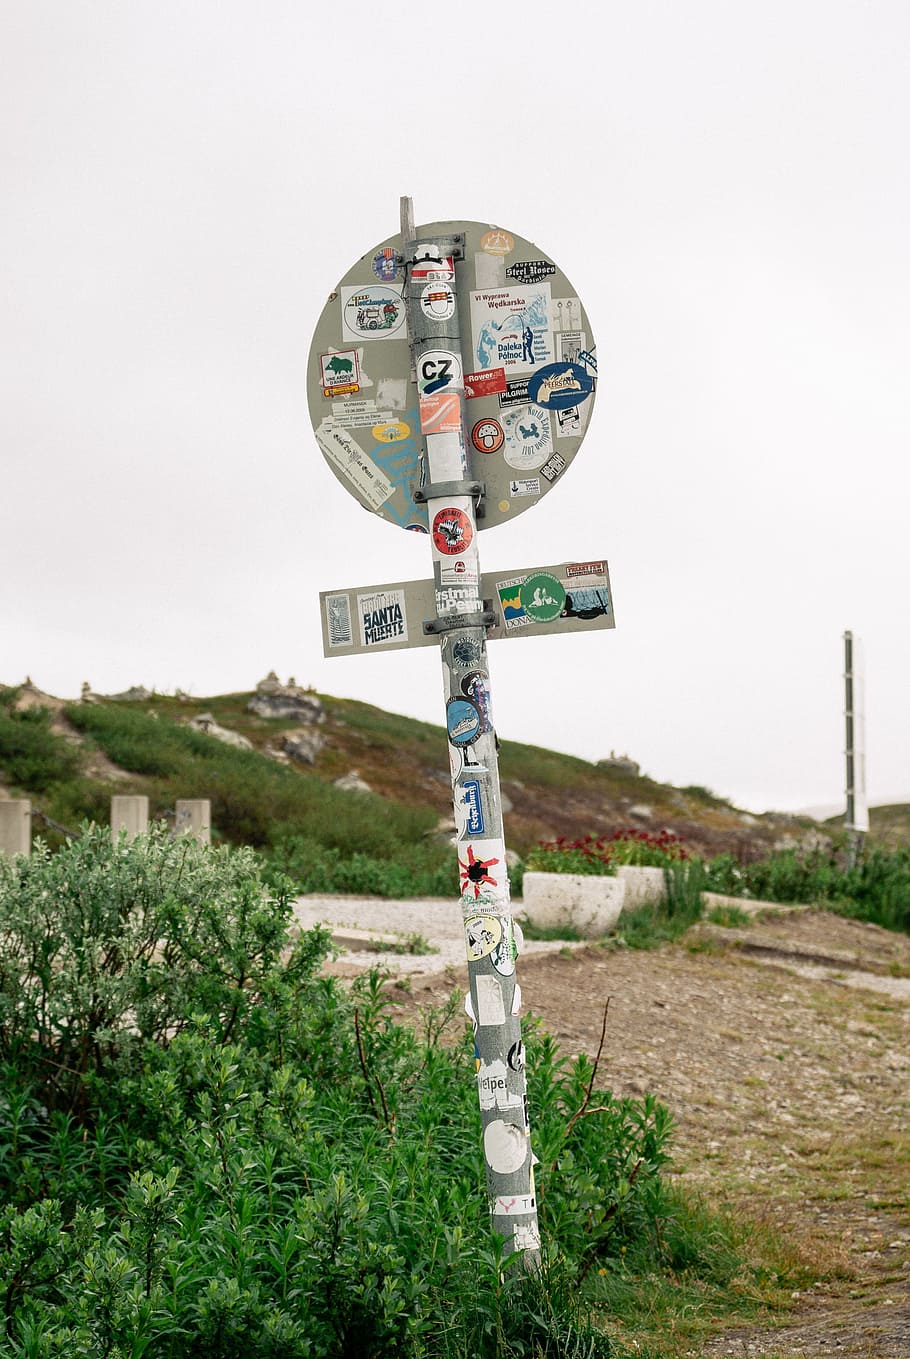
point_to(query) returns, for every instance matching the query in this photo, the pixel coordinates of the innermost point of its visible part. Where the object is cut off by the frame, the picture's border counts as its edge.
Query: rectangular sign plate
(571, 597)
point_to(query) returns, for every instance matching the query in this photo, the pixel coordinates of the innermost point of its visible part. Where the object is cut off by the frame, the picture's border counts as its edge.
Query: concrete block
(194, 817)
(588, 904)
(130, 814)
(644, 886)
(15, 825)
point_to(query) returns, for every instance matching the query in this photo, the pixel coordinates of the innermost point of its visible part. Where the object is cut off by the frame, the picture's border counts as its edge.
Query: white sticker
(489, 270)
(511, 328)
(374, 311)
(344, 452)
(340, 372)
(437, 301)
(566, 313)
(493, 1089)
(569, 344)
(483, 872)
(392, 393)
(505, 1147)
(439, 370)
(526, 1236)
(525, 486)
(529, 437)
(338, 620)
(516, 1000)
(490, 1007)
(382, 617)
(515, 1205)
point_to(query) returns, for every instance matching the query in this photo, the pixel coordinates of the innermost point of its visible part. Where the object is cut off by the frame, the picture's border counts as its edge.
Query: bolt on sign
(451, 380)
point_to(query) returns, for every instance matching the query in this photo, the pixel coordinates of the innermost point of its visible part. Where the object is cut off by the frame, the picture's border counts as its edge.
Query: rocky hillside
(356, 747)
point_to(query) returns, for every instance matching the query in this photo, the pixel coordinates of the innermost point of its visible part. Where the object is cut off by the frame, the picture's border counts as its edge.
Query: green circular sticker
(543, 597)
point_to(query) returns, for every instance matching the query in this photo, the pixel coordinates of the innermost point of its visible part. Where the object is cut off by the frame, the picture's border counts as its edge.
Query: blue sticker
(560, 385)
(474, 686)
(474, 805)
(385, 264)
(462, 721)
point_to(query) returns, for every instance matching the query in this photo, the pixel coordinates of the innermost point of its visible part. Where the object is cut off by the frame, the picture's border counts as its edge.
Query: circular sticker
(505, 1146)
(452, 532)
(438, 370)
(487, 436)
(385, 264)
(529, 437)
(462, 721)
(483, 933)
(373, 312)
(437, 301)
(543, 597)
(497, 242)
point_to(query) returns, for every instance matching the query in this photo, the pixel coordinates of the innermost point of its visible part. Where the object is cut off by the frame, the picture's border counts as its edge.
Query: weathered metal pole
(857, 817)
(454, 502)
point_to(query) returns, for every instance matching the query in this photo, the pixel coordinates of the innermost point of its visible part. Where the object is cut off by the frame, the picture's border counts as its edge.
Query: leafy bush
(207, 1148)
(254, 800)
(32, 756)
(426, 870)
(875, 888)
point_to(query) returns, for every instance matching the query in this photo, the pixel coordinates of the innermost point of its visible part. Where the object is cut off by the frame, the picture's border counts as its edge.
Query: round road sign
(527, 355)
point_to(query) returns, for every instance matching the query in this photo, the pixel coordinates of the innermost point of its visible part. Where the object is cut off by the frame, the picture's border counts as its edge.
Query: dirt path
(791, 1087)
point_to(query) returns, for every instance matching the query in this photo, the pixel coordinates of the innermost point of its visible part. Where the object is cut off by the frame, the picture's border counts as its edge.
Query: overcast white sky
(726, 185)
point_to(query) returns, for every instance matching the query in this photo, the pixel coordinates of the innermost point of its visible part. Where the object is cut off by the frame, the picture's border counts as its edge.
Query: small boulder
(303, 745)
(206, 723)
(353, 783)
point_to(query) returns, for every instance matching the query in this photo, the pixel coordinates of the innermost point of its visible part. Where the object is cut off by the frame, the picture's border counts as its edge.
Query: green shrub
(425, 870)
(875, 888)
(33, 757)
(206, 1148)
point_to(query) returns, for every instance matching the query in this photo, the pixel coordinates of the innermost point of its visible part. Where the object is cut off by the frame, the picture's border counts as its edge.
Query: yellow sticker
(392, 432)
(503, 506)
(482, 935)
(497, 242)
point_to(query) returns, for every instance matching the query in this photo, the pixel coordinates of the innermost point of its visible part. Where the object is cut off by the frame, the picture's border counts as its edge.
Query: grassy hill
(71, 757)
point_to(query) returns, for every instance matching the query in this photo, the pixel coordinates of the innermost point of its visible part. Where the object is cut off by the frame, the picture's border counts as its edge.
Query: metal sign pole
(387, 382)
(857, 818)
(454, 502)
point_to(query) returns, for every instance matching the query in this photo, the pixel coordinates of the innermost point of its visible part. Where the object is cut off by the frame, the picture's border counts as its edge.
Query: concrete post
(15, 826)
(130, 814)
(194, 817)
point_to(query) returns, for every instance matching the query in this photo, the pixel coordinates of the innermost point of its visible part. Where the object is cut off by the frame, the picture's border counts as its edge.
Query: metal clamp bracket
(444, 490)
(450, 621)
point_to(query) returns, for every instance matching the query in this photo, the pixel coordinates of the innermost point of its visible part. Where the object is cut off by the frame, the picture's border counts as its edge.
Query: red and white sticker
(485, 384)
(487, 436)
(433, 268)
(452, 532)
(441, 413)
(437, 301)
